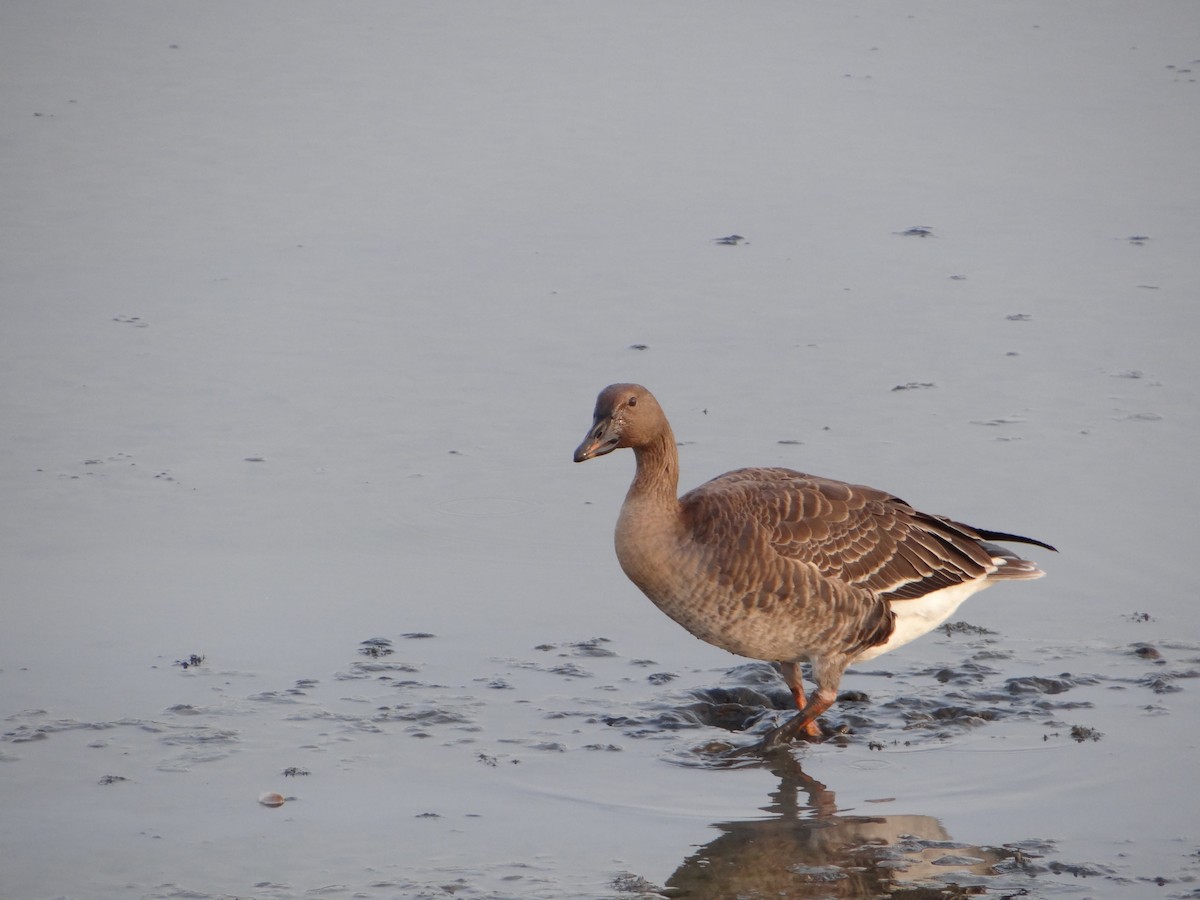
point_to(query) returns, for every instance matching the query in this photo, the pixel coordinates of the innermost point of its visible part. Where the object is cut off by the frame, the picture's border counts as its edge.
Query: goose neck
(657, 478)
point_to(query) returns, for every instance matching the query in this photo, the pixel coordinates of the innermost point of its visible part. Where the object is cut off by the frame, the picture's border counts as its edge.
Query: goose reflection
(808, 850)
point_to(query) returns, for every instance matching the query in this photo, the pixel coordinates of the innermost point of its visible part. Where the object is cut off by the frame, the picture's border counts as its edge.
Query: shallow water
(572, 769)
(305, 312)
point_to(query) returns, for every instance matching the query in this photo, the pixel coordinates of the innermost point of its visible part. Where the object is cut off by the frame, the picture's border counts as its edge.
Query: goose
(775, 565)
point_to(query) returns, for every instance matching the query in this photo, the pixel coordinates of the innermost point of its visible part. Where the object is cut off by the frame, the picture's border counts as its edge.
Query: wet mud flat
(575, 770)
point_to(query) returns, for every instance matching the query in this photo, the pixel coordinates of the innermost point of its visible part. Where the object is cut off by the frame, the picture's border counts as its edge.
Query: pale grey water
(306, 307)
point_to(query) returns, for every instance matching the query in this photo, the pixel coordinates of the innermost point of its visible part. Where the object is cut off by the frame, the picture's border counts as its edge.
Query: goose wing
(850, 533)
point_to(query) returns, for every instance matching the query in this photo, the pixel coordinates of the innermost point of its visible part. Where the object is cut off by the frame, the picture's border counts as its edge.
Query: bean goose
(775, 565)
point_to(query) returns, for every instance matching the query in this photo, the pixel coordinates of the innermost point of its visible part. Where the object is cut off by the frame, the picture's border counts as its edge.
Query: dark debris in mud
(423, 716)
(593, 647)
(376, 647)
(964, 673)
(570, 670)
(1161, 684)
(380, 647)
(628, 883)
(493, 761)
(1167, 682)
(1081, 733)
(1146, 651)
(1038, 684)
(373, 668)
(950, 628)
(194, 659)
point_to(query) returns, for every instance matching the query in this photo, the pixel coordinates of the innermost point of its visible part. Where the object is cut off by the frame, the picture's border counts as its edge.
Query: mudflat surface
(306, 306)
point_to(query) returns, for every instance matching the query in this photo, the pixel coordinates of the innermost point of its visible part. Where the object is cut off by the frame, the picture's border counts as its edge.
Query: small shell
(270, 798)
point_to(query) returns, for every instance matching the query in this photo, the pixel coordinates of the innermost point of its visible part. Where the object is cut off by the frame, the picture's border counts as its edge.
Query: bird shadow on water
(808, 848)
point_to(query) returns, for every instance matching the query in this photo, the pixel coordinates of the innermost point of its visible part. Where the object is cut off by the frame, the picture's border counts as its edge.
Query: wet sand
(306, 310)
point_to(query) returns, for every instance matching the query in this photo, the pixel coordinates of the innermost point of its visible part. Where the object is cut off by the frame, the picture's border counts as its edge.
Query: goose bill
(603, 438)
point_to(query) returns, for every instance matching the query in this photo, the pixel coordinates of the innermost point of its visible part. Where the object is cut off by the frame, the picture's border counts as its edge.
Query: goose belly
(772, 631)
(923, 614)
(728, 625)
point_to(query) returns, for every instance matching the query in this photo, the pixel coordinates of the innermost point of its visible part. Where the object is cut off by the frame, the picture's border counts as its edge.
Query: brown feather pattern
(851, 532)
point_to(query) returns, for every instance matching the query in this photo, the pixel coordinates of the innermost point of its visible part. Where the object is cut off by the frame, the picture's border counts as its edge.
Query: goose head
(627, 415)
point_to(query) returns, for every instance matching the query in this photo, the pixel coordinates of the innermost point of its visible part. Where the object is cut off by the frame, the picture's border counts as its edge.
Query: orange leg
(810, 709)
